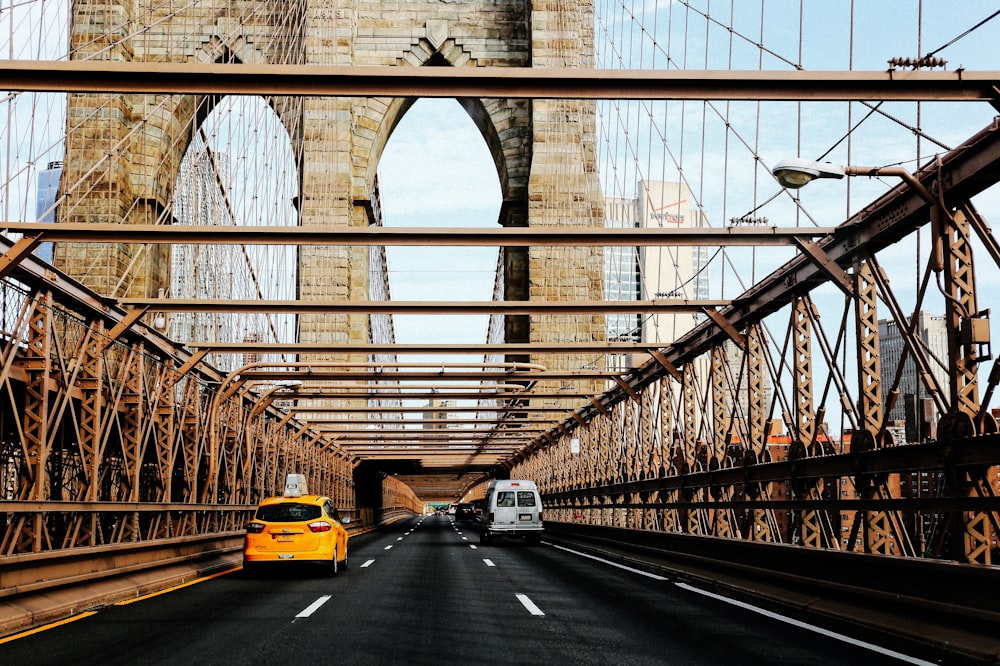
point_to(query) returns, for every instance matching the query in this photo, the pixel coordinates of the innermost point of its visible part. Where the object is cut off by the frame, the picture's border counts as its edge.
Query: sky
(436, 169)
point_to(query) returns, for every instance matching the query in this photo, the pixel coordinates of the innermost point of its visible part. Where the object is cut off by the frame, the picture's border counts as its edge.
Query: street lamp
(795, 172)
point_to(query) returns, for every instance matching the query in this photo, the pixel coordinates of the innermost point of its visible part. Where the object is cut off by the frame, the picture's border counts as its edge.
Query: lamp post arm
(936, 208)
(910, 179)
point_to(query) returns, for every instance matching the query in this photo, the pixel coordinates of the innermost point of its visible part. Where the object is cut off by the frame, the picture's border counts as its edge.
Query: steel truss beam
(428, 349)
(421, 307)
(695, 491)
(517, 82)
(408, 236)
(963, 173)
(123, 430)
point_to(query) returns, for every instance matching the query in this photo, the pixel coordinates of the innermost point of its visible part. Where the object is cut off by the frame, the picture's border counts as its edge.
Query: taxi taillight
(320, 526)
(255, 528)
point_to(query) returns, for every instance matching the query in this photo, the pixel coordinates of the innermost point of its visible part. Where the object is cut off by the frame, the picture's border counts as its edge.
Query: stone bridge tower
(543, 150)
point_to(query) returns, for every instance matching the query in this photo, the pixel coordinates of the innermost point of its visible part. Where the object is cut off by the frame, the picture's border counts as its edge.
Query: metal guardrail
(37, 572)
(36, 588)
(946, 608)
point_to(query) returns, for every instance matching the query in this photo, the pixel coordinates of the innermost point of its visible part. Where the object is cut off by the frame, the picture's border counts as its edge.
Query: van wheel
(534, 539)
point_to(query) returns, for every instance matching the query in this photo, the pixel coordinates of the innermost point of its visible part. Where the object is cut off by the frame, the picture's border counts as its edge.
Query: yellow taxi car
(296, 528)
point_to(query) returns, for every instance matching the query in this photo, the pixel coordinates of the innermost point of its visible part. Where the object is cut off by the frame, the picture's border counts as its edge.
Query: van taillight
(539, 514)
(255, 528)
(320, 526)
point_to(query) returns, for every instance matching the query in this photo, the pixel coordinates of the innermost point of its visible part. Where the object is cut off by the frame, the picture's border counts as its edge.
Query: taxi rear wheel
(333, 563)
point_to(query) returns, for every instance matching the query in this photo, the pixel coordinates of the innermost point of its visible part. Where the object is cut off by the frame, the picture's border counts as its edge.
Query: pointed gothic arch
(505, 124)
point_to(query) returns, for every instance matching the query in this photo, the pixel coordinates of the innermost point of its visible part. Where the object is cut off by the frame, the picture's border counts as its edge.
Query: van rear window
(505, 498)
(525, 498)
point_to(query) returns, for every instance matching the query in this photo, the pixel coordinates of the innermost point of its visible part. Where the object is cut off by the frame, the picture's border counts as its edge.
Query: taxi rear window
(274, 513)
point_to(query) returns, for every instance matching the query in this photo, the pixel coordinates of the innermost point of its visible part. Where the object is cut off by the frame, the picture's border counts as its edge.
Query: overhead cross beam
(421, 307)
(95, 76)
(412, 236)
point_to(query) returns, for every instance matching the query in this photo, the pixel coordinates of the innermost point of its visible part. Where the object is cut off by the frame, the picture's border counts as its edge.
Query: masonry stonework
(124, 151)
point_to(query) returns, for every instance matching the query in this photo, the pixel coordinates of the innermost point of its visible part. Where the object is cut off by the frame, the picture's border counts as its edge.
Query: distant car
(451, 509)
(465, 511)
(296, 528)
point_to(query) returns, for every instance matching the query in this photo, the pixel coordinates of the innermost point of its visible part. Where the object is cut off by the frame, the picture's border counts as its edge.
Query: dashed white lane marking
(489, 562)
(399, 538)
(389, 547)
(314, 606)
(465, 538)
(529, 604)
(367, 564)
(803, 625)
(614, 564)
(472, 546)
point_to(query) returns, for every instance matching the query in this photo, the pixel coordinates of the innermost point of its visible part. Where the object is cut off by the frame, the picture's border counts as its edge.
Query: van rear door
(527, 507)
(506, 508)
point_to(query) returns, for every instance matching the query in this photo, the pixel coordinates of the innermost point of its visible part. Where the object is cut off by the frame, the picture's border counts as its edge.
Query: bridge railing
(110, 434)
(689, 443)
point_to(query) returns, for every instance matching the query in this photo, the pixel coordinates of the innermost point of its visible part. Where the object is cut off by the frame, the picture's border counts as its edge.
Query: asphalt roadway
(424, 591)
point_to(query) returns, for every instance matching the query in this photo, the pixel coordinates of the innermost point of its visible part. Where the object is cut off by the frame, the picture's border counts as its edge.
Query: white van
(511, 508)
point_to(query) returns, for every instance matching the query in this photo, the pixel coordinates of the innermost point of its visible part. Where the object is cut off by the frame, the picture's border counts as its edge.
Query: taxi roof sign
(295, 485)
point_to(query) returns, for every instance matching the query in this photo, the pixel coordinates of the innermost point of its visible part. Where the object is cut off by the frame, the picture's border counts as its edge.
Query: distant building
(441, 419)
(663, 273)
(655, 273)
(45, 203)
(914, 408)
(621, 269)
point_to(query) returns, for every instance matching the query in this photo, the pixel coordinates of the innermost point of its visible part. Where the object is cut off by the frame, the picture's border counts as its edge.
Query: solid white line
(614, 564)
(314, 606)
(529, 604)
(489, 562)
(367, 564)
(389, 547)
(810, 627)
